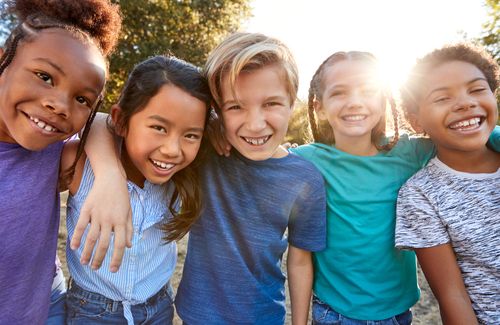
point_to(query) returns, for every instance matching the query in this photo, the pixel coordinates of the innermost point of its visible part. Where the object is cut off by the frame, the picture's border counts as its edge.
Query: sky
(396, 31)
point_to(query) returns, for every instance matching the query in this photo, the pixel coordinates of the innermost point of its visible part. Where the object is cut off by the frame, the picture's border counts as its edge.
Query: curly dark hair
(97, 20)
(411, 91)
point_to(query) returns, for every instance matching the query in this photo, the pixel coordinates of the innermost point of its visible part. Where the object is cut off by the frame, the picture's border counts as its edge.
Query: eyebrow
(165, 121)
(445, 88)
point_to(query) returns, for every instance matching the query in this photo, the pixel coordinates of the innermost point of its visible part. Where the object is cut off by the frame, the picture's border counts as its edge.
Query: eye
(440, 100)
(159, 128)
(272, 104)
(83, 100)
(193, 136)
(233, 107)
(370, 91)
(337, 93)
(45, 77)
(478, 90)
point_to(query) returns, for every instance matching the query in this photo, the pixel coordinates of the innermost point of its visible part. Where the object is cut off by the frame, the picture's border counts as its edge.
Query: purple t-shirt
(29, 221)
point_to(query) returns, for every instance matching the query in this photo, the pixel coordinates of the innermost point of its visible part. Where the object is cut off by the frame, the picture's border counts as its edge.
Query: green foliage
(491, 33)
(298, 127)
(188, 29)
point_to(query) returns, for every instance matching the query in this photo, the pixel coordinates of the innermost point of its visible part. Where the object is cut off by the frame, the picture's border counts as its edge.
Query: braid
(9, 52)
(395, 120)
(312, 118)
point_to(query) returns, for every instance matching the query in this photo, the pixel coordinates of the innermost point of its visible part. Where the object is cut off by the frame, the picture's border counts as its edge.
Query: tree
(491, 34)
(188, 29)
(298, 127)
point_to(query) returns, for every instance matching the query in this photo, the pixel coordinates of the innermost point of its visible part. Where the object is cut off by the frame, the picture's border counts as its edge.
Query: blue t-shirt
(232, 271)
(29, 222)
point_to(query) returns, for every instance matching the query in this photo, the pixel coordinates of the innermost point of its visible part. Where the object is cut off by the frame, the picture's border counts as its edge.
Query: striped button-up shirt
(147, 266)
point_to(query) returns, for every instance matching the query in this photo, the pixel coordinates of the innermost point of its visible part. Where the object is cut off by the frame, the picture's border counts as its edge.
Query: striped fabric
(147, 266)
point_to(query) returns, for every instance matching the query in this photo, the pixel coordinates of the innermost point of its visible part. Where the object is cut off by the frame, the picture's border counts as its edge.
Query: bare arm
(445, 279)
(300, 279)
(107, 207)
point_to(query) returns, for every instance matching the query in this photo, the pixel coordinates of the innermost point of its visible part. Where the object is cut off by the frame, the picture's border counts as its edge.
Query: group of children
(352, 207)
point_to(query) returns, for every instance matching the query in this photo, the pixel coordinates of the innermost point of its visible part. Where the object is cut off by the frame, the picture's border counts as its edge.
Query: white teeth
(162, 164)
(354, 117)
(466, 123)
(257, 141)
(43, 125)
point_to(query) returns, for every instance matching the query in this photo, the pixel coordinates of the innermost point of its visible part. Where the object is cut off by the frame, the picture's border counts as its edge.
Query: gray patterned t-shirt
(439, 205)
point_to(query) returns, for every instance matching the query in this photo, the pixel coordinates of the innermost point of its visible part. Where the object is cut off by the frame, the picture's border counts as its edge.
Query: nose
(58, 104)
(255, 120)
(464, 102)
(171, 147)
(355, 100)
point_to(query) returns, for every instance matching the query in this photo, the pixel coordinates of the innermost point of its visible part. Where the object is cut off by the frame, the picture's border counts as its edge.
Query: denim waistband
(78, 291)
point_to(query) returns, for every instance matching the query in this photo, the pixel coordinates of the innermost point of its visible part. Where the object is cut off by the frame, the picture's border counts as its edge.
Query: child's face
(352, 100)
(47, 91)
(164, 137)
(256, 120)
(457, 107)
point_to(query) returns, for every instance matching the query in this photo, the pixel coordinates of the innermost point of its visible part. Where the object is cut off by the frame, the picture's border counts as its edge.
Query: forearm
(300, 279)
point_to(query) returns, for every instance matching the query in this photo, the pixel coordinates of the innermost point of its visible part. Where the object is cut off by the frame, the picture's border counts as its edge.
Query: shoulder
(308, 150)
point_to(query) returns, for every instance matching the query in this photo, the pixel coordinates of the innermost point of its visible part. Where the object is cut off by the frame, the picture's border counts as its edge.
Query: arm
(107, 207)
(300, 279)
(444, 277)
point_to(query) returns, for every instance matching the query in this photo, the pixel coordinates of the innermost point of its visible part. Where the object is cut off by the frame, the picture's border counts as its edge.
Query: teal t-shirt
(361, 274)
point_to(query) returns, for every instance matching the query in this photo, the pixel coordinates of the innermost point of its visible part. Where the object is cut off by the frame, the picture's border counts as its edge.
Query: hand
(107, 212)
(288, 145)
(215, 133)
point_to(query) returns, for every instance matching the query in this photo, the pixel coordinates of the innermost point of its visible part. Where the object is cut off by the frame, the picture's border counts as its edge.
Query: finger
(130, 229)
(81, 225)
(102, 248)
(90, 242)
(118, 248)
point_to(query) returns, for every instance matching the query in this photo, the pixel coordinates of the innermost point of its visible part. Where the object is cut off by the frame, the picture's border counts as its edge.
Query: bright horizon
(397, 32)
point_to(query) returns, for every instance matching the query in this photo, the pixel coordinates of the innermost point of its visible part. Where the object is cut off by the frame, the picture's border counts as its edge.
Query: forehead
(75, 56)
(452, 73)
(347, 72)
(268, 80)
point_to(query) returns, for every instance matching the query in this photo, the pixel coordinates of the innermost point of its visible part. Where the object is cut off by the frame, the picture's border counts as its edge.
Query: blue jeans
(57, 311)
(323, 314)
(85, 307)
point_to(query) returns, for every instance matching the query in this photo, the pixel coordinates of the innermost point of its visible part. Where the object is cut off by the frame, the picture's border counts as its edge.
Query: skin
(454, 95)
(184, 123)
(300, 281)
(459, 111)
(255, 115)
(45, 97)
(353, 104)
(44, 82)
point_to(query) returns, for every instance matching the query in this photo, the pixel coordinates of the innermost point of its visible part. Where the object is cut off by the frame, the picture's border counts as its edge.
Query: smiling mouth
(162, 165)
(43, 125)
(256, 141)
(465, 125)
(353, 118)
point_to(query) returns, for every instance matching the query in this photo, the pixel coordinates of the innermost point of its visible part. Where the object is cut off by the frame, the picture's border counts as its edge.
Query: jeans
(85, 307)
(57, 309)
(323, 314)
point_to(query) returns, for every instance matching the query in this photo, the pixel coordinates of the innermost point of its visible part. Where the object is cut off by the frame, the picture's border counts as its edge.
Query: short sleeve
(424, 150)
(418, 224)
(307, 223)
(494, 140)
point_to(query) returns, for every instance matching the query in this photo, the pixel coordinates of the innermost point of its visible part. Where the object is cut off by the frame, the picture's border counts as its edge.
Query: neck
(479, 161)
(358, 146)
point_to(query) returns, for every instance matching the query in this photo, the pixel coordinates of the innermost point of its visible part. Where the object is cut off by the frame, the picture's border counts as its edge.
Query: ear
(415, 123)
(116, 117)
(319, 110)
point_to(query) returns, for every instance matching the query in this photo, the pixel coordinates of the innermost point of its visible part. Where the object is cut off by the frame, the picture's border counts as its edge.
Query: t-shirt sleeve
(494, 140)
(307, 224)
(417, 223)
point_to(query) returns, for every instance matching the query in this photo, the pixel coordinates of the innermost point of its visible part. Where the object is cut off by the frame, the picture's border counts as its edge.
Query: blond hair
(243, 52)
